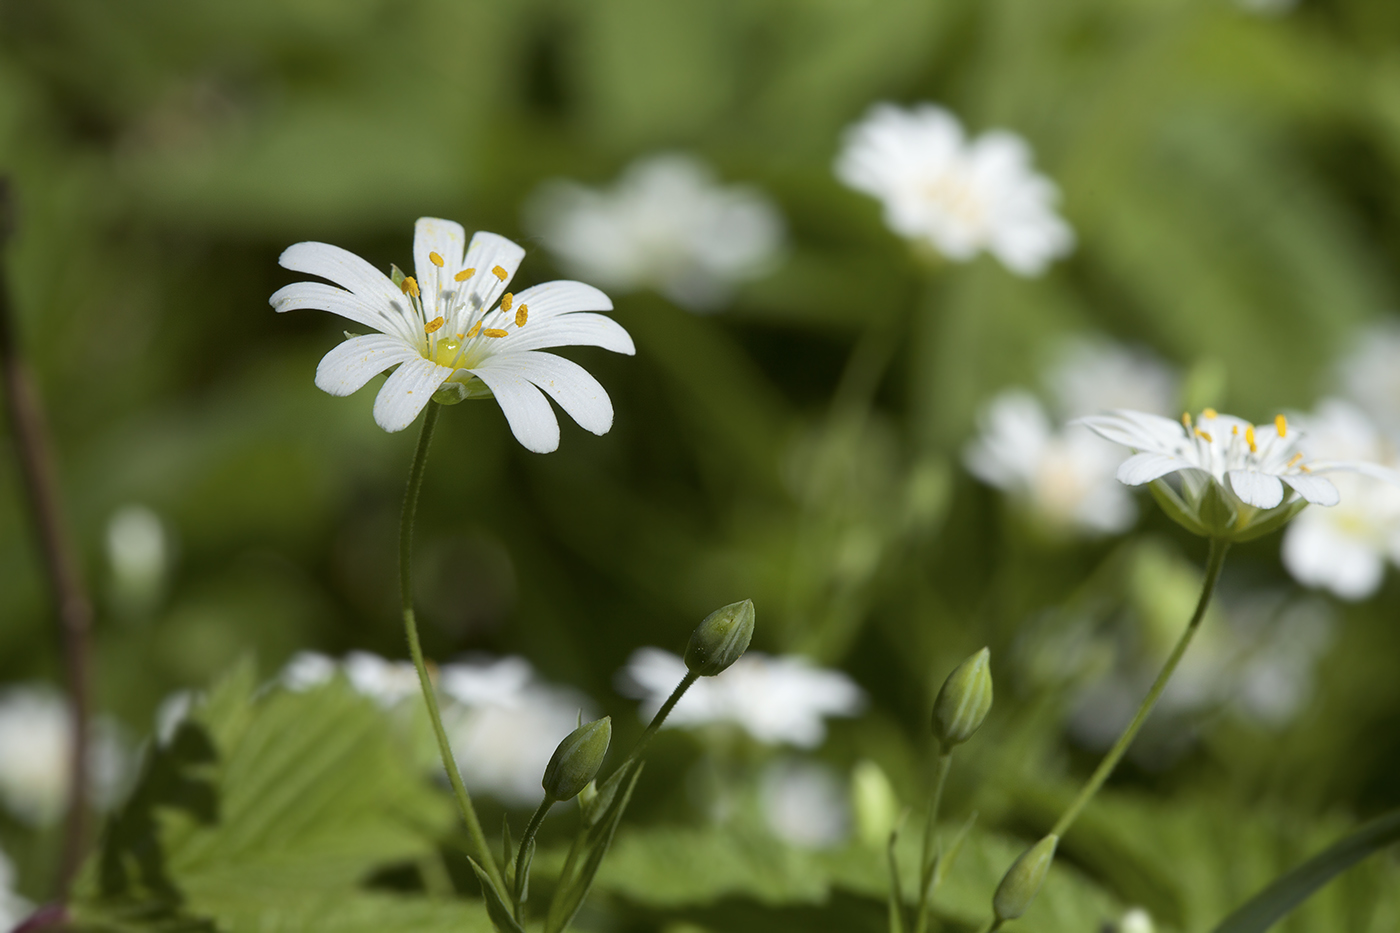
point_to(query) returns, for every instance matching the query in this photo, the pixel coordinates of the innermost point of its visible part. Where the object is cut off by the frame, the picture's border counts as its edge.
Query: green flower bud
(1023, 879)
(721, 639)
(963, 700)
(577, 759)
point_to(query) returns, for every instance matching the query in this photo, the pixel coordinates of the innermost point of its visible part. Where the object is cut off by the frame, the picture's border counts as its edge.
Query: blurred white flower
(1370, 374)
(1065, 479)
(777, 700)
(138, 553)
(13, 908)
(386, 682)
(35, 748)
(666, 224)
(1136, 920)
(1093, 374)
(308, 670)
(454, 332)
(805, 804)
(961, 196)
(1345, 549)
(504, 724)
(173, 710)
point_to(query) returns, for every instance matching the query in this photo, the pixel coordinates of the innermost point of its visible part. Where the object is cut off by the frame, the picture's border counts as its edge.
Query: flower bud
(963, 700)
(577, 759)
(1023, 879)
(721, 639)
(875, 804)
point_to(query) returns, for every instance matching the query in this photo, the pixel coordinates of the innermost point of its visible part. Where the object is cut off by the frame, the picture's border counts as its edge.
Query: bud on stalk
(963, 700)
(577, 759)
(720, 640)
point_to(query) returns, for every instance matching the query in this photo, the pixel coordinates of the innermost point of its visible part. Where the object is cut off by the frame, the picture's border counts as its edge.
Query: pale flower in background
(1345, 549)
(667, 224)
(35, 748)
(1094, 374)
(386, 682)
(805, 804)
(777, 700)
(1136, 920)
(961, 196)
(13, 908)
(308, 670)
(1370, 374)
(454, 332)
(138, 553)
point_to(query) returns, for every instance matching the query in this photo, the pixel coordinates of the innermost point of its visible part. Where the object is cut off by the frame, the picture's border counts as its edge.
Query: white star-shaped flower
(454, 332)
(961, 196)
(1235, 476)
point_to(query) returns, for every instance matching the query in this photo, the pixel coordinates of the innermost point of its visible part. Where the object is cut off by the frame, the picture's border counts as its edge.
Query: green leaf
(496, 908)
(592, 844)
(1280, 898)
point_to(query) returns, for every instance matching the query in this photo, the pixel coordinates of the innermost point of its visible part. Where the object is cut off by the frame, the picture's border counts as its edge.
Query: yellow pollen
(1235, 430)
(435, 259)
(499, 273)
(410, 286)
(1304, 468)
(1281, 423)
(1186, 419)
(434, 325)
(1249, 439)
(476, 329)
(1204, 436)
(494, 332)
(1209, 413)
(522, 314)
(464, 275)
(1294, 459)
(506, 301)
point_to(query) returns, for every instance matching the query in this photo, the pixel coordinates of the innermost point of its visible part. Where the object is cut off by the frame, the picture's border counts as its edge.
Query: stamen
(476, 329)
(1294, 459)
(1186, 419)
(522, 314)
(410, 286)
(506, 301)
(435, 324)
(500, 273)
(1249, 439)
(464, 275)
(1204, 436)
(1209, 413)
(1304, 468)
(1281, 423)
(1235, 430)
(494, 332)
(435, 259)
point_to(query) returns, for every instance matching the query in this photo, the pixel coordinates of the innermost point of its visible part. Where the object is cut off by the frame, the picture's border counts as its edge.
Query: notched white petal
(406, 392)
(527, 412)
(348, 366)
(1261, 490)
(1316, 489)
(565, 381)
(1145, 467)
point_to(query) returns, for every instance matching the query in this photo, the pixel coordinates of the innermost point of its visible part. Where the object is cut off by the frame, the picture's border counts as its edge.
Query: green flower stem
(660, 717)
(1216, 560)
(525, 840)
(930, 855)
(410, 624)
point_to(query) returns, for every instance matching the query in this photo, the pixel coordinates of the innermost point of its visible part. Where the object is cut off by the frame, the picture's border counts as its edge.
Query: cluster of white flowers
(957, 195)
(36, 737)
(777, 700)
(13, 908)
(666, 224)
(1064, 476)
(503, 721)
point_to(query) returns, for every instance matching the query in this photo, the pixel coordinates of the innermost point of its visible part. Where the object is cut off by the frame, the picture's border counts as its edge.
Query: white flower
(386, 682)
(307, 670)
(455, 331)
(504, 724)
(1136, 920)
(960, 196)
(1234, 476)
(36, 732)
(13, 908)
(1345, 549)
(1370, 374)
(138, 553)
(805, 804)
(667, 224)
(779, 701)
(1065, 478)
(1092, 374)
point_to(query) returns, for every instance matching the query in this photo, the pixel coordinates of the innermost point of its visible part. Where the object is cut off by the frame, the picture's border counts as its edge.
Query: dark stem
(36, 464)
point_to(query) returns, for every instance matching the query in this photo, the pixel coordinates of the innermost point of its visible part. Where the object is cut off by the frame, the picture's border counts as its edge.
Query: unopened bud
(963, 700)
(577, 759)
(721, 639)
(1023, 879)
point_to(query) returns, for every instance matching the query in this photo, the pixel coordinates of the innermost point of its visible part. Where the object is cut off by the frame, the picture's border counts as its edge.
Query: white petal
(1144, 468)
(1261, 490)
(1317, 553)
(527, 412)
(1316, 489)
(353, 363)
(579, 329)
(407, 392)
(343, 268)
(348, 305)
(1373, 470)
(565, 381)
(447, 239)
(551, 298)
(1137, 430)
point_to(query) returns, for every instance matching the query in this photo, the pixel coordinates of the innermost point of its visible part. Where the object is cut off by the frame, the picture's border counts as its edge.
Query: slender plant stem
(930, 856)
(530, 829)
(60, 561)
(410, 624)
(660, 717)
(1216, 560)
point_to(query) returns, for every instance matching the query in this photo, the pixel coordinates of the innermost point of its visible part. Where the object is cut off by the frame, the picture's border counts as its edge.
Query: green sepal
(1216, 512)
(450, 393)
(1277, 518)
(1175, 508)
(507, 847)
(522, 880)
(496, 908)
(397, 275)
(591, 845)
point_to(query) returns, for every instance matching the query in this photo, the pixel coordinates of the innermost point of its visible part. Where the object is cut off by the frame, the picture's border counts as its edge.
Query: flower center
(952, 193)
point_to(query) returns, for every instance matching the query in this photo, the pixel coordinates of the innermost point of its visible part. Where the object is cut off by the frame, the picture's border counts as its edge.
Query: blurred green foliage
(1230, 178)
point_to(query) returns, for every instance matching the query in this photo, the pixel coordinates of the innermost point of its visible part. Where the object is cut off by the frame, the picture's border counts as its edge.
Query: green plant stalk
(1214, 563)
(410, 624)
(531, 829)
(659, 718)
(930, 855)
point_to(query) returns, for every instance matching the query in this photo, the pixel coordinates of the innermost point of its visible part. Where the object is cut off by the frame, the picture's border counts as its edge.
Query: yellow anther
(1281, 423)
(464, 275)
(434, 325)
(476, 329)
(1186, 419)
(494, 332)
(410, 286)
(1209, 413)
(1204, 436)
(506, 301)
(1304, 468)
(500, 273)
(1249, 439)
(1294, 459)
(522, 314)
(1235, 430)
(435, 259)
